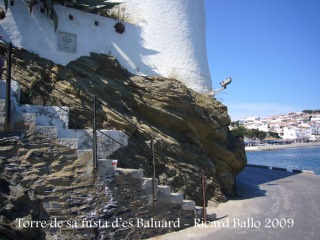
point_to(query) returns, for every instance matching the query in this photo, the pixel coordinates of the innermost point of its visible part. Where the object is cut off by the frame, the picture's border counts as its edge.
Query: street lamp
(224, 84)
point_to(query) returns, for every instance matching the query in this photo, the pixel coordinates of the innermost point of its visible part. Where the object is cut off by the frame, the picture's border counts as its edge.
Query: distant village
(292, 127)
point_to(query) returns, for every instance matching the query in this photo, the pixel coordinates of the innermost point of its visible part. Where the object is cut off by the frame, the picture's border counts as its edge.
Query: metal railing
(92, 110)
(26, 82)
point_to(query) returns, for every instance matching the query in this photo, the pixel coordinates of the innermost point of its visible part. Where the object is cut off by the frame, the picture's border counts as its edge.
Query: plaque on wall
(67, 42)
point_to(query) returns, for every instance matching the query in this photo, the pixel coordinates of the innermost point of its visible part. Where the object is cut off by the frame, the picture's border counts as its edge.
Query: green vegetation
(241, 132)
(101, 7)
(311, 111)
(273, 134)
(234, 124)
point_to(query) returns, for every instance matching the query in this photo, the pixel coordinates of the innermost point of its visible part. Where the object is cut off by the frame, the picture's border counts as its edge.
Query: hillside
(190, 130)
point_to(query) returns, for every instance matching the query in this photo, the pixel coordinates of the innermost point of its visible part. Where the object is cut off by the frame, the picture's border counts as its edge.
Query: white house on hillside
(303, 132)
(291, 133)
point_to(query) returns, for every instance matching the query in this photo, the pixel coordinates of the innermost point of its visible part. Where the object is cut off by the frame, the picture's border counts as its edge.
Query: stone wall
(72, 193)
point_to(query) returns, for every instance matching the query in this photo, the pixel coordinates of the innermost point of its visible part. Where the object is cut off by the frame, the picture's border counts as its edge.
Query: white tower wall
(174, 31)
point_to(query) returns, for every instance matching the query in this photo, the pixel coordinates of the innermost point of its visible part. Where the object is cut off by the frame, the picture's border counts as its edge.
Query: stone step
(21, 119)
(46, 132)
(188, 205)
(164, 194)
(147, 185)
(176, 198)
(71, 143)
(48, 115)
(134, 173)
(84, 154)
(106, 167)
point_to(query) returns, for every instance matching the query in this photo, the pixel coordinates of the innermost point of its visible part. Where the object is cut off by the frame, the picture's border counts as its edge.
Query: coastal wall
(166, 39)
(280, 146)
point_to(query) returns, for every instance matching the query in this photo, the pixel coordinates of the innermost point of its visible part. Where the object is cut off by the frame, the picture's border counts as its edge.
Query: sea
(302, 158)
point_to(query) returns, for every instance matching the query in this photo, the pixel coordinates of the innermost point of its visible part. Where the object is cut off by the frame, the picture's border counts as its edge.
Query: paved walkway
(271, 205)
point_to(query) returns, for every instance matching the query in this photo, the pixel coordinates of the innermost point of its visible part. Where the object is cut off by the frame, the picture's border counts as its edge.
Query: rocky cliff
(16, 200)
(190, 130)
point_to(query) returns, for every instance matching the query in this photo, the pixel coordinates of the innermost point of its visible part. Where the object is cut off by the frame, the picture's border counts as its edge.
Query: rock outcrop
(190, 130)
(17, 201)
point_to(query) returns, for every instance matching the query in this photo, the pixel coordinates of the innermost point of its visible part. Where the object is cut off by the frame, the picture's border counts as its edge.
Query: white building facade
(291, 133)
(165, 38)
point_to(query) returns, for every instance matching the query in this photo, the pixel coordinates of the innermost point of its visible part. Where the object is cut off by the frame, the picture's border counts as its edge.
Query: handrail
(52, 102)
(63, 93)
(86, 92)
(76, 117)
(63, 109)
(48, 99)
(1, 39)
(88, 95)
(73, 115)
(8, 84)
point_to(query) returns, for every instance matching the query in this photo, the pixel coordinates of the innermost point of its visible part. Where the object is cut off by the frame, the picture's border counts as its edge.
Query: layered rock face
(190, 130)
(17, 201)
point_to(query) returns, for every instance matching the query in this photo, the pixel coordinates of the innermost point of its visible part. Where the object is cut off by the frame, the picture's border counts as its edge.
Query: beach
(280, 146)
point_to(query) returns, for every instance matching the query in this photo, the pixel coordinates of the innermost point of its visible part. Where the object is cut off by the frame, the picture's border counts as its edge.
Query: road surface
(271, 204)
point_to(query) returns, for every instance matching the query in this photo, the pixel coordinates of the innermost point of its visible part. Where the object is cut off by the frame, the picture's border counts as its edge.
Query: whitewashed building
(161, 38)
(291, 133)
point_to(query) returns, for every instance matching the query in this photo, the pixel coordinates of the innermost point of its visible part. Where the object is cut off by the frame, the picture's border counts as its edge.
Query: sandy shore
(273, 147)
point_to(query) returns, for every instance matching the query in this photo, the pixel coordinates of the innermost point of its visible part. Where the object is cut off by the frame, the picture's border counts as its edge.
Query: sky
(271, 49)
